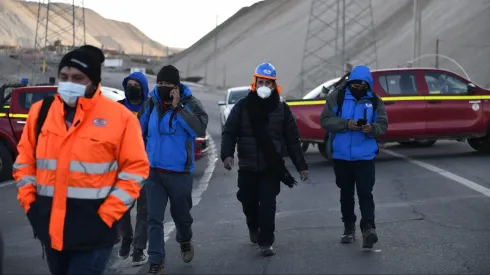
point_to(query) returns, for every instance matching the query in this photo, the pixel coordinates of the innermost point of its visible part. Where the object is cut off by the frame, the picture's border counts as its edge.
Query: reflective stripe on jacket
(78, 182)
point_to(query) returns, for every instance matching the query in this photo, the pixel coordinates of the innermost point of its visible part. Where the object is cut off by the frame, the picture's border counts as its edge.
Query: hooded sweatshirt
(143, 81)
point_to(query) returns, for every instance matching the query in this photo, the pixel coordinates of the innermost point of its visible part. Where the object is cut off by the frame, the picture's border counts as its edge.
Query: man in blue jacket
(354, 117)
(171, 121)
(136, 92)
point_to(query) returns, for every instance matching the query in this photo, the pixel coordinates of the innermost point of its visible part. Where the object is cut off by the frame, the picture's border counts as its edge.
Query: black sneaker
(139, 257)
(156, 269)
(125, 248)
(349, 233)
(187, 251)
(254, 235)
(369, 237)
(267, 251)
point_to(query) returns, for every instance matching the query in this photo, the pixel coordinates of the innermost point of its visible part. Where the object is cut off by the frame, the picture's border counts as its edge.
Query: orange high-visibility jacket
(78, 182)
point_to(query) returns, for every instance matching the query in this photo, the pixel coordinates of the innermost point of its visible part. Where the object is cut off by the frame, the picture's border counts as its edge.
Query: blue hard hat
(265, 70)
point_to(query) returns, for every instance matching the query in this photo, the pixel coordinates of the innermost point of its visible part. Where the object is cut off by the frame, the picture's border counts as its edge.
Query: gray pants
(160, 188)
(141, 228)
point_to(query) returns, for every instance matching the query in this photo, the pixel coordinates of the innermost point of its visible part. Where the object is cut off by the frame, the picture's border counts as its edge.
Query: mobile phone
(361, 122)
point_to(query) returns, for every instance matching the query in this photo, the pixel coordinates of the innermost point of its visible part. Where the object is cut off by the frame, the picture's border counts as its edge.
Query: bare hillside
(18, 28)
(275, 31)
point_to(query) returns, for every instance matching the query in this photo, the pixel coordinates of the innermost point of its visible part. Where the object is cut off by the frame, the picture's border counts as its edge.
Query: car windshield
(236, 95)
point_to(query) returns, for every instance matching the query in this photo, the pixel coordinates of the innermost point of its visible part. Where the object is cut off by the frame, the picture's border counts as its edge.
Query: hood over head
(141, 78)
(362, 73)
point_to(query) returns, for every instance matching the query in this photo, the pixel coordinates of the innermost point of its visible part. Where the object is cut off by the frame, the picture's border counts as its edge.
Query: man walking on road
(260, 124)
(354, 117)
(80, 167)
(136, 91)
(171, 120)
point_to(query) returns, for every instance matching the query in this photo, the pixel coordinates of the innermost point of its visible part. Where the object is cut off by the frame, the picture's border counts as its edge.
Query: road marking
(466, 182)
(169, 227)
(197, 192)
(6, 183)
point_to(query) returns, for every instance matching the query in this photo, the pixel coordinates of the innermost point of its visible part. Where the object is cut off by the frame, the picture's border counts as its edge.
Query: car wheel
(304, 146)
(480, 144)
(6, 163)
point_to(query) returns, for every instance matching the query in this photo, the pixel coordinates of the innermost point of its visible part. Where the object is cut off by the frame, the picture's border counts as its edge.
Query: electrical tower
(60, 27)
(340, 32)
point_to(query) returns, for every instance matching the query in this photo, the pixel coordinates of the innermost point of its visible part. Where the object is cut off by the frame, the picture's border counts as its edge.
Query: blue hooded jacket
(170, 134)
(141, 78)
(355, 145)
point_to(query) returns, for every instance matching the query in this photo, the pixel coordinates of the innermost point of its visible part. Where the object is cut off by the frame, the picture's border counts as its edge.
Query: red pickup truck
(423, 105)
(16, 100)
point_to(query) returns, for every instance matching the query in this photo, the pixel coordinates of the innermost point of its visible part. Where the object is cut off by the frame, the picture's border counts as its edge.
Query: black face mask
(358, 93)
(133, 93)
(164, 93)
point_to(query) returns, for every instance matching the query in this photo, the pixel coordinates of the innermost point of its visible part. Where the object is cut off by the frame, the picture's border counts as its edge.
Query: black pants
(92, 262)
(360, 176)
(141, 227)
(257, 191)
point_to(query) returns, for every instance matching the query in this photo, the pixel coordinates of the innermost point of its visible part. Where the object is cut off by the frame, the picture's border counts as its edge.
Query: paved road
(429, 220)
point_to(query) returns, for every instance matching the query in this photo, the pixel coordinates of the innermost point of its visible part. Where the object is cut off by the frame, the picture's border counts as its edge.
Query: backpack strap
(43, 113)
(152, 105)
(340, 101)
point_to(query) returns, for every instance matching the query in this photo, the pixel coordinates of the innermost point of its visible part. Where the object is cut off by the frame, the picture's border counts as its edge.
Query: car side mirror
(471, 88)
(221, 103)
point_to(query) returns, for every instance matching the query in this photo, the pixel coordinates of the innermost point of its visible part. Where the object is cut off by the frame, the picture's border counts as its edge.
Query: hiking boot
(139, 257)
(369, 237)
(125, 248)
(254, 235)
(267, 251)
(156, 269)
(187, 251)
(349, 233)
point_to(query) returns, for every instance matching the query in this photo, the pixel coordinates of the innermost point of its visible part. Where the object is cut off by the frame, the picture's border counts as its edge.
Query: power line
(339, 32)
(56, 36)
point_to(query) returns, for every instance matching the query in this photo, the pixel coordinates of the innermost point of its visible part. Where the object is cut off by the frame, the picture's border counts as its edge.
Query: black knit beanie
(169, 74)
(88, 59)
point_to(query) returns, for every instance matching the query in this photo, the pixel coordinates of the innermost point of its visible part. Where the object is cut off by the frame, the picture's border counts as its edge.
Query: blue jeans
(160, 188)
(91, 262)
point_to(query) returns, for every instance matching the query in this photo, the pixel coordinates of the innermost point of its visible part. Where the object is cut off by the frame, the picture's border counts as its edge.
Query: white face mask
(264, 92)
(70, 91)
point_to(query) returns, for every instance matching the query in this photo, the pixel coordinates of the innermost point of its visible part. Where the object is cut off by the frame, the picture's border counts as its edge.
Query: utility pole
(215, 70)
(343, 33)
(417, 32)
(224, 76)
(437, 53)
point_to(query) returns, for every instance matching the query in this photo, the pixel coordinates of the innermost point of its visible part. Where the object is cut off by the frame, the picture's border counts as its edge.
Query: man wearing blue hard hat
(260, 125)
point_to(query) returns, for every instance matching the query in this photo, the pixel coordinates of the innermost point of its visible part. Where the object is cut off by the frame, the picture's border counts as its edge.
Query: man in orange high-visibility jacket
(83, 172)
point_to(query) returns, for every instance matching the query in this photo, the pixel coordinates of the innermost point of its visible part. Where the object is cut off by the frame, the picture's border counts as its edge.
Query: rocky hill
(18, 28)
(275, 31)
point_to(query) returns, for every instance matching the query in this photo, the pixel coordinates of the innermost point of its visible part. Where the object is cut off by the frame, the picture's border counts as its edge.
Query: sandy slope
(18, 27)
(275, 31)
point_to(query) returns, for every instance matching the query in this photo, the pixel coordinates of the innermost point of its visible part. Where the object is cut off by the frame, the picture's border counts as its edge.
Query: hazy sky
(177, 23)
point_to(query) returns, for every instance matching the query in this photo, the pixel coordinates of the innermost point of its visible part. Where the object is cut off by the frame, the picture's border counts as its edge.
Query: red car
(423, 106)
(16, 100)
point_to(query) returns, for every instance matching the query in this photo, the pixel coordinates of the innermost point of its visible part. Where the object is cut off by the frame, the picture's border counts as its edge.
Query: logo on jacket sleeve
(369, 105)
(100, 122)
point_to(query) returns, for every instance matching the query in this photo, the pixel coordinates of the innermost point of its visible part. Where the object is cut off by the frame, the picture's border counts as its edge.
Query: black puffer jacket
(282, 128)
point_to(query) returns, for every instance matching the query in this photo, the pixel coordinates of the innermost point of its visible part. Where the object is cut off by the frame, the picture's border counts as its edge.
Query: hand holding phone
(361, 122)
